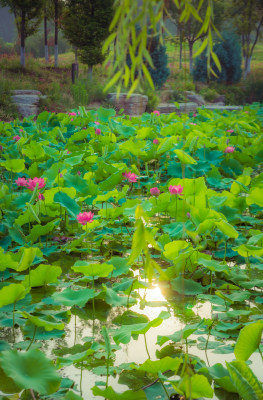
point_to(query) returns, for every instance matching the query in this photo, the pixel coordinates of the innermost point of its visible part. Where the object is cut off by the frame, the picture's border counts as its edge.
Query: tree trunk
(247, 68)
(22, 48)
(181, 49)
(56, 33)
(191, 55)
(45, 36)
(90, 69)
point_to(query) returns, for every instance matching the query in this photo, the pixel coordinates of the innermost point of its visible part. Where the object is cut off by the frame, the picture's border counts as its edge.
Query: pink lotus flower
(78, 112)
(1, 148)
(155, 191)
(230, 149)
(96, 123)
(73, 114)
(246, 112)
(84, 218)
(230, 130)
(156, 112)
(176, 189)
(16, 138)
(193, 123)
(21, 130)
(79, 173)
(21, 182)
(61, 175)
(41, 197)
(130, 176)
(194, 114)
(31, 184)
(155, 141)
(68, 152)
(98, 131)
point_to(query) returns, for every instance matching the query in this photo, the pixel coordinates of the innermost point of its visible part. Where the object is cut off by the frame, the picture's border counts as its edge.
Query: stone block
(134, 105)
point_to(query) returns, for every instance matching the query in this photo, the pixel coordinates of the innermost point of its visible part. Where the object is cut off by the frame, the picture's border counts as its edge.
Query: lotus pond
(132, 256)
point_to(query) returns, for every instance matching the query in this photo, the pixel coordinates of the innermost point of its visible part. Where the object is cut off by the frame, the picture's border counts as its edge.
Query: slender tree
(247, 17)
(46, 34)
(28, 16)
(85, 24)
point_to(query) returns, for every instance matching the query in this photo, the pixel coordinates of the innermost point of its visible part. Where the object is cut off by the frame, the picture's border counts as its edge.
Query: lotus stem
(33, 337)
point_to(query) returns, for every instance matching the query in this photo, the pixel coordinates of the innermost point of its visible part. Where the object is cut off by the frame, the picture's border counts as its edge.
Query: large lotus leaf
(72, 396)
(246, 250)
(7, 261)
(50, 193)
(172, 249)
(14, 165)
(248, 340)
(34, 150)
(104, 114)
(246, 383)
(184, 157)
(124, 333)
(227, 229)
(111, 182)
(41, 230)
(93, 270)
(195, 386)
(73, 358)
(27, 258)
(120, 265)
(165, 364)
(71, 297)
(7, 385)
(110, 394)
(186, 286)
(12, 293)
(30, 370)
(113, 299)
(77, 183)
(255, 196)
(71, 206)
(42, 323)
(181, 334)
(213, 265)
(42, 275)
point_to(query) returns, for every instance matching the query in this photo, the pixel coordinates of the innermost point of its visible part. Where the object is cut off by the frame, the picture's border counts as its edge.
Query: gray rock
(184, 108)
(219, 107)
(26, 110)
(26, 92)
(25, 99)
(195, 98)
(134, 105)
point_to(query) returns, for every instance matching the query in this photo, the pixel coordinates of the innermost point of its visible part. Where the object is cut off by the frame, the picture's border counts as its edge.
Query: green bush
(153, 100)
(160, 72)
(254, 87)
(209, 94)
(8, 109)
(228, 52)
(85, 91)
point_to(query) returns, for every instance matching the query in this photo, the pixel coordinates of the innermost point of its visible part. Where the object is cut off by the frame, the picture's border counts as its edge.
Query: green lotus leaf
(14, 165)
(30, 370)
(65, 201)
(71, 297)
(42, 323)
(248, 340)
(184, 157)
(12, 294)
(42, 275)
(110, 394)
(165, 364)
(93, 270)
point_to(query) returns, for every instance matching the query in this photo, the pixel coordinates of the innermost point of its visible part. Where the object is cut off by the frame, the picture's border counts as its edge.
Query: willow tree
(28, 16)
(125, 37)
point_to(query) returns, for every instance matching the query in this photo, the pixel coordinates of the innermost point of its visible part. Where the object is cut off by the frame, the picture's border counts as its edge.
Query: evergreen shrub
(228, 52)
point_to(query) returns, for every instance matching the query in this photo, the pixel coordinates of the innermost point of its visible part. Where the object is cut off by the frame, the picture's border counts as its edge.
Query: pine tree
(85, 24)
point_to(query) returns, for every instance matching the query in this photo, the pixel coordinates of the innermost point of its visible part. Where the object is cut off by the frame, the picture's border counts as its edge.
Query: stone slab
(134, 105)
(26, 92)
(218, 107)
(26, 110)
(25, 99)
